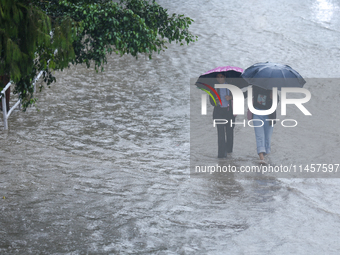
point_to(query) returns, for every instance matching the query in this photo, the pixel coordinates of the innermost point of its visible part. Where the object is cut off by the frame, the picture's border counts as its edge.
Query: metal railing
(3, 97)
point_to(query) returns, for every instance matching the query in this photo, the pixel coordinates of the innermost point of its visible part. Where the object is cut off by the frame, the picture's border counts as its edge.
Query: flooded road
(103, 166)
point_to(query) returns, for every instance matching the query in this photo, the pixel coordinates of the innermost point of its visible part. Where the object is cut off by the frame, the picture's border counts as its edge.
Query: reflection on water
(324, 10)
(103, 167)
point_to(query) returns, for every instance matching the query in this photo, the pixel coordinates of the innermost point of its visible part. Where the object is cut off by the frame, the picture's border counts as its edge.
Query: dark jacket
(222, 112)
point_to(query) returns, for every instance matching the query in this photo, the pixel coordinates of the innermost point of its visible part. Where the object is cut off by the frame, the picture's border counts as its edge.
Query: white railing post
(17, 104)
(36, 79)
(4, 109)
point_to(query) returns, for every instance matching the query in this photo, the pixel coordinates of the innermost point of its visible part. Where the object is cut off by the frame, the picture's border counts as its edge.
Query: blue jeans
(263, 134)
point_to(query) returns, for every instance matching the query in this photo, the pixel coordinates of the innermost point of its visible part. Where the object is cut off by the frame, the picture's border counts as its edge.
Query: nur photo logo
(238, 103)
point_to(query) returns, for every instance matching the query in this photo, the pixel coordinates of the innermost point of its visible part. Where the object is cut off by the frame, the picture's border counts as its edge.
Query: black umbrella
(268, 75)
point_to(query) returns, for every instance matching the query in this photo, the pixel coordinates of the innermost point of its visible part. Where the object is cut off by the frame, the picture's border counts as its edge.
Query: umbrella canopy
(207, 80)
(268, 75)
(232, 74)
(221, 69)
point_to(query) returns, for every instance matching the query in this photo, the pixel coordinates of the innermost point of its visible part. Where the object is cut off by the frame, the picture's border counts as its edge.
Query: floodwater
(103, 166)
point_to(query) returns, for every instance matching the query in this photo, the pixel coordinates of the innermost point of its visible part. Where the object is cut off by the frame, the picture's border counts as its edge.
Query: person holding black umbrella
(263, 124)
(264, 77)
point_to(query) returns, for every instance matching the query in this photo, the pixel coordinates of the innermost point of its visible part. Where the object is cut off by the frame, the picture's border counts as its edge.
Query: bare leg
(261, 156)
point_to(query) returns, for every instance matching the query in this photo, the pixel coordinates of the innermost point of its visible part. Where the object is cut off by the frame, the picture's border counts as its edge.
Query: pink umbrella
(221, 69)
(233, 76)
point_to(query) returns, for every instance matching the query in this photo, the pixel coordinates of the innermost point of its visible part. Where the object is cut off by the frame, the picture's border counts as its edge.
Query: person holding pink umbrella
(223, 107)
(225, 132)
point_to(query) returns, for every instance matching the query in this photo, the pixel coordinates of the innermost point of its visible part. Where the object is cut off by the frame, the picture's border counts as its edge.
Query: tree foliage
(30, 44)
(50, 35)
